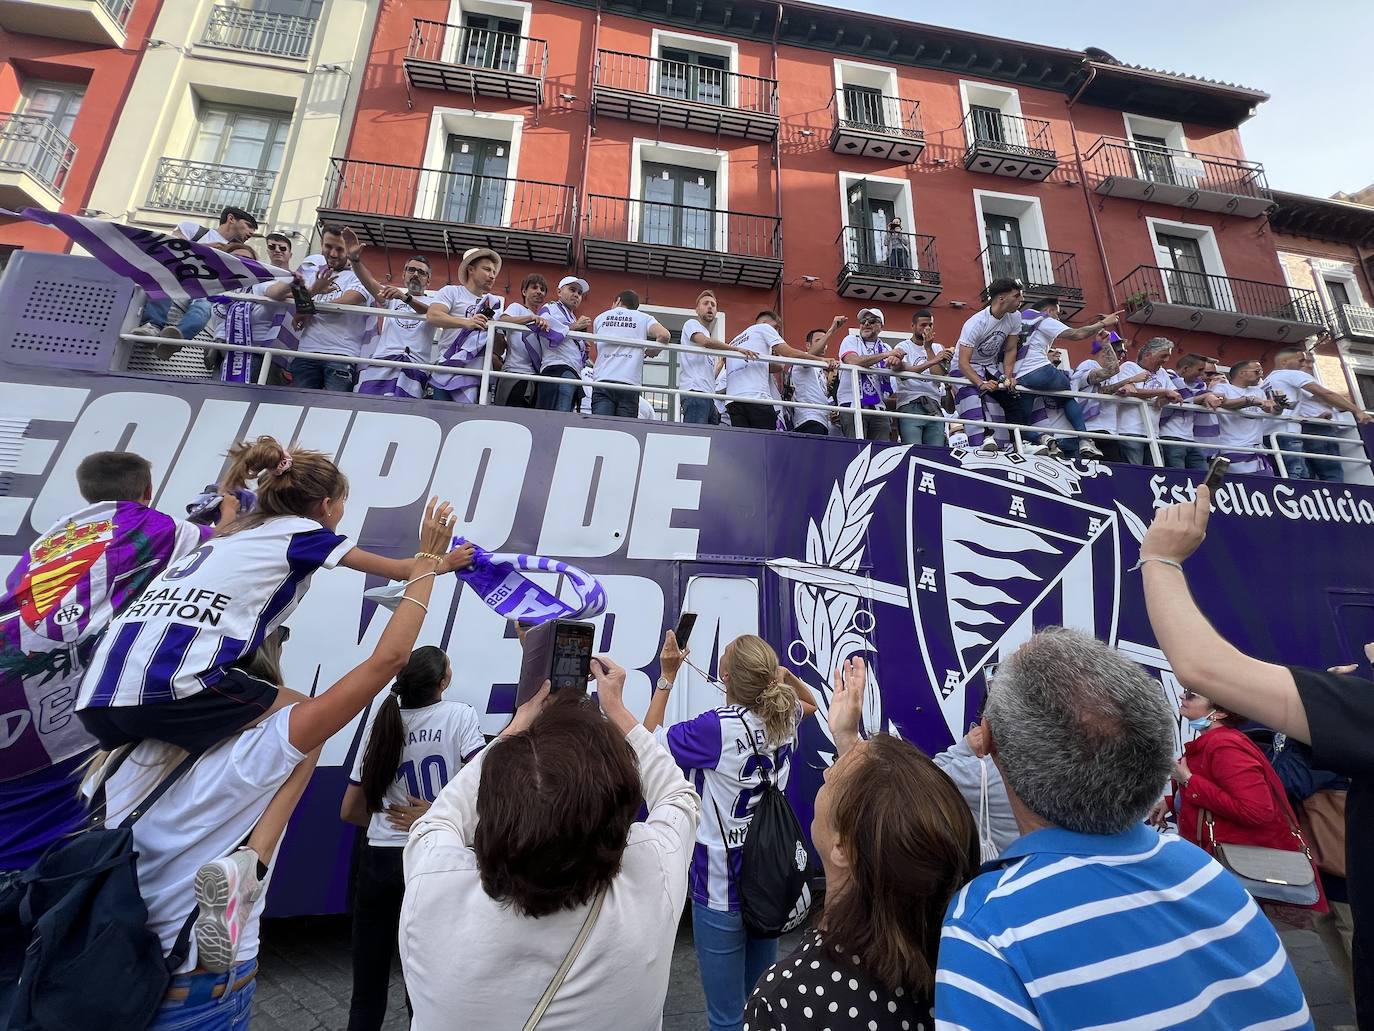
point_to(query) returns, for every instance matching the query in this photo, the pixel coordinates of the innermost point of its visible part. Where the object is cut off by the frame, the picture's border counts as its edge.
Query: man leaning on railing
(866, 350)
(1312, 403)
(1235, 430)
(921, 354)
(1146, 380)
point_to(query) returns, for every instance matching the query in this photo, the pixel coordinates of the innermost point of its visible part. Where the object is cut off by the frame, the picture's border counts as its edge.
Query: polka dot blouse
(813, 989)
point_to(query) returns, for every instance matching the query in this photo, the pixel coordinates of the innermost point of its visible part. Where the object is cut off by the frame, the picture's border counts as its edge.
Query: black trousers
(752, 415)
(379, 886)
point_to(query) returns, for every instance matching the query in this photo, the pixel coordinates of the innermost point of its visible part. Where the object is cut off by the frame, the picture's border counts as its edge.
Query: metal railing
(655, 223)
(32, 144)
(1150, 284)
(1130, 159)
(373, 188)
(258, 32)
(1008, 134)
(206, 189)
(678, 80)
(865, 111)
(1355, 320)
(446, 43)
(909, 257)
(1043, 273)
(118, 10)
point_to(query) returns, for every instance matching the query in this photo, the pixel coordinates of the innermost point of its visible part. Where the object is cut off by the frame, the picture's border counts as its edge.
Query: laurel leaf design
(1133, 522)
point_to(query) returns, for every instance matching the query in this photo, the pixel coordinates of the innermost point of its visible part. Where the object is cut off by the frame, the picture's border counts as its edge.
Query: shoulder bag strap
(161, 789)
(558, 978)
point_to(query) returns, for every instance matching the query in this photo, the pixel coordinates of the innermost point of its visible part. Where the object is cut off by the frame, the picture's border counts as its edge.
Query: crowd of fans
(1008, 365)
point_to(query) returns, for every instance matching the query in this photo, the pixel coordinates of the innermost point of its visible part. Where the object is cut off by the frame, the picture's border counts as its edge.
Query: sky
(1313, 136)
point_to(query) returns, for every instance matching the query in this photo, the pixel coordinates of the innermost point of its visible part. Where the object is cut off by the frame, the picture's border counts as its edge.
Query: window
(1187, 273)
(33, 148)
(1006, 252)
(868, 95)
(1013, 238)
(863, 105)
(678, 206)
(994, 115)
(1156, 163)
(1337, 291)
(1155, 145)
(688, 75)
(870, 205)
(58, 102)
(986, 123)
(491, 42)
(475, 186)
(241, 138)
(1365, 381)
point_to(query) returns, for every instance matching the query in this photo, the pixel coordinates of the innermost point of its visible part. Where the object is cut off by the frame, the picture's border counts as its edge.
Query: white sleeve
(264, 755)
(355, 775)
(672, 802)
(467, 733)
(189, 537)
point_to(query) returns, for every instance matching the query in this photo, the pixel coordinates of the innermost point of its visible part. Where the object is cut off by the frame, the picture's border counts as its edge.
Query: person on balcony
(867, 350)
(1147, 380)
(1236, 430)
(461, 311)
(235, 226)
(748, 381)
(1309, 401)
(522, 351)
(623, 364)
(1190, 378)
(279, 250)
(898, 249)
(564, 356)
(1093, 377)
(986, 356)
(921, 354)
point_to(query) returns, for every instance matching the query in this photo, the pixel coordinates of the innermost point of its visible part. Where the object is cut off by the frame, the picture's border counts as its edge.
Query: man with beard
(461, 311)
(401, 339)
(1237, 430)
(866, 349)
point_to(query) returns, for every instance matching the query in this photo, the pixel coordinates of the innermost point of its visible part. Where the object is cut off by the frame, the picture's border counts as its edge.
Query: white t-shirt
(1128, 417)
(1041, 339)
(1292, 384)
(871, 384)
(189, 229)
(809, 387)
(985, 337)
(1104, 419)
(1131, 419)
(207, 611)
(559, 348)
(620, 363)
(904, 391)
(205, 815)
(752, 379)
(524, 352)
(1234, 428)
(399, 335)
(332, 332)
(260, 318)
(696, 371)
(439, 738)
(508, 959)
(721, 382)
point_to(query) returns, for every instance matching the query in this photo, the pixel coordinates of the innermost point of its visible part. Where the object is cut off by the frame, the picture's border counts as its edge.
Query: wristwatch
(664, 684)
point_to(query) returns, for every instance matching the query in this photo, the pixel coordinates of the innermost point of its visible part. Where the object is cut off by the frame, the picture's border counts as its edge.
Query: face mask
(1199, 725)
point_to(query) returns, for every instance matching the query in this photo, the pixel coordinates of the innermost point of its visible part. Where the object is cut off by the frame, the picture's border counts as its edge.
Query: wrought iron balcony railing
(866, 111)
(32, 144)
(207, 189)
(1008, 134)
(1355, 320)
(444, 43)
(678, 80)
(1149, 285)
(118, 9)
(880, 254)
(1130, 159)
(259, 32)
(658, 224)
(1043, 273)
(401, 191)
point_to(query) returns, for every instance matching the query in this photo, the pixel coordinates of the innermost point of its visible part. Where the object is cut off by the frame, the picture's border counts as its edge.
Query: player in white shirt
(417, 742)
(986, 356)
(1093, 377)
(522, 351)
(565, 356)
(1190, 377)
(747, 380)
(623, 363)
(698, 371)
(811, 383)
(866, 349)
(461, 311)
(1235, 430)
(400, 339)
(921, 354)
(1035, 368)
(1147, 380)
(1306, 399)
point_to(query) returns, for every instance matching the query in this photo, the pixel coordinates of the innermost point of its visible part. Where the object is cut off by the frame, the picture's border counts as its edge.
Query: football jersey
(524, 351)
(871, 386)
(439, 738)
(715, 752)
(208, 611)
(64, 591)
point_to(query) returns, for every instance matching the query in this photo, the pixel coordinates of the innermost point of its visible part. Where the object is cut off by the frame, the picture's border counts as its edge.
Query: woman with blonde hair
(728, 753)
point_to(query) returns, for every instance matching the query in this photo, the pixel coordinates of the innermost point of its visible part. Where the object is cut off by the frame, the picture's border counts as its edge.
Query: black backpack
(773, 894)
(91, 960)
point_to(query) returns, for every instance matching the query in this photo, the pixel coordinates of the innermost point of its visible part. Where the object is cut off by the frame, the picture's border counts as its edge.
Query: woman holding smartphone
(726, 753)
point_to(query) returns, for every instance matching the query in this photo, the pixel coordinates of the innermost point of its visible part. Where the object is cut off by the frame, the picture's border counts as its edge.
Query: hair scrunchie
(283, 465)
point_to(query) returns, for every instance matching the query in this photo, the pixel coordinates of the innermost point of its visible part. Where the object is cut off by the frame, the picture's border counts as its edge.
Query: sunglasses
(870, 322)
(1187, 696)
(412, 271)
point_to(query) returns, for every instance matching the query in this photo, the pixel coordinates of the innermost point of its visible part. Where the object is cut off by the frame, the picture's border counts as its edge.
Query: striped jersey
(1130, 931)
(207, 611)
(715, 753)
(64, 591)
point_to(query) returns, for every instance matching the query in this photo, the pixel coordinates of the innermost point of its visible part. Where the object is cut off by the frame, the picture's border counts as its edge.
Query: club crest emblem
(59, 562)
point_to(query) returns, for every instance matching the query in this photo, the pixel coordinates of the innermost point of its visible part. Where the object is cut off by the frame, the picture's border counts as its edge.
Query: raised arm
(670, 660)
(1336, 400)
(404, 568)
(1092, 329)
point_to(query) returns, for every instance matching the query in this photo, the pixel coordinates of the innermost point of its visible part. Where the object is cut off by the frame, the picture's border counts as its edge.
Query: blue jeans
(317, 374)
(1295, 464)
(559, 397)
(200, 1011)
(700, 411)
(1178, 457)
(624, 403)
(193, 320)
(912, 431)
(1327, 472)
(1132, 451)
(1047, 377)
(731, 960)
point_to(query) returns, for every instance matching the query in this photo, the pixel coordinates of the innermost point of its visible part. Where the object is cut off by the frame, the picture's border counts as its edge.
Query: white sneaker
(1088, 449)
(226, 890)
(1039, 449)
(989, 447)
(147, 330)
(167, 350)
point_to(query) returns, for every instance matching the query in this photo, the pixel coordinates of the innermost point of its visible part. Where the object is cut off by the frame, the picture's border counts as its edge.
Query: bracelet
(417, 601)
(1167, 561)
(430, 555)
(419, 578)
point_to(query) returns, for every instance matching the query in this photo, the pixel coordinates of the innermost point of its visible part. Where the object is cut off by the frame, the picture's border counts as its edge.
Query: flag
(163, 265)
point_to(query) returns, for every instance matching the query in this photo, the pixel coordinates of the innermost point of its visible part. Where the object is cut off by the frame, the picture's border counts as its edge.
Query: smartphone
(559, 651)
(1215, 472)
(685, 623)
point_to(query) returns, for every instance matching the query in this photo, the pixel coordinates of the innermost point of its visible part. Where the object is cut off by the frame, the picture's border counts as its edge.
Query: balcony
(676, 95)
(1355, 321)
(873, 126)
(426, 209)
(1125, 168)
(259, 32)
(892, 268)
(476, 61)
(86, 21)
(649, 238)
(1009, 145)
(35, 160)
(1045, 275)
(202, 188)
(1220, 304)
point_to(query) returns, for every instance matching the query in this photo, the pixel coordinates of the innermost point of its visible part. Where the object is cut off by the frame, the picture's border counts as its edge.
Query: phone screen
(571, 663)
(685, 623)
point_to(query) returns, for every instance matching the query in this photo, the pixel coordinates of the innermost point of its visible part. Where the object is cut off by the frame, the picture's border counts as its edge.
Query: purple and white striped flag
(164, 266)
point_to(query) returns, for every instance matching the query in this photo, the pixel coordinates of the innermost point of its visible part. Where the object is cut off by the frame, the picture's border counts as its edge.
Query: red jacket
(1234, 781)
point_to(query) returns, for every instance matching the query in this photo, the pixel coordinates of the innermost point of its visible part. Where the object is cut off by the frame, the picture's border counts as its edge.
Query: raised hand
(1177, 530)
(671, 658)
(436, 528)
(352, 244)
(847, 703)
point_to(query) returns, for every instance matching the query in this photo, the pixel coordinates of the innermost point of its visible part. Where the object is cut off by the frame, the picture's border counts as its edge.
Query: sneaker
(1039, 449)
(226, 890)
(1088, 449)
(167, 350)
(148, 330)
(989, 447)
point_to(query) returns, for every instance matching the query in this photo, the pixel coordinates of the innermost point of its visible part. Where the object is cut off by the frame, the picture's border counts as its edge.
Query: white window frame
(514, 10)
(679, 154)
(483, 125)
(873, 76)
(1020, 206)
(902, 202)
(1212, 262)
(1174, 138)
(702, 44)
(1004, 98)
(1344, 273)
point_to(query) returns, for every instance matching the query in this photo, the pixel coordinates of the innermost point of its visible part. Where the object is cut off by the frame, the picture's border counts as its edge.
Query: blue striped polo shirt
(1134, 931)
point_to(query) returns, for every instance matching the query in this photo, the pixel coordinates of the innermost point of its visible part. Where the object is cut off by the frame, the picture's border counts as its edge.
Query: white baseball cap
(877, 313)
(571, 280)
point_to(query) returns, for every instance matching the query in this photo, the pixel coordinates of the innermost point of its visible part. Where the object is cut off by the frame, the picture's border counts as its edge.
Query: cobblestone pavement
(305, 980)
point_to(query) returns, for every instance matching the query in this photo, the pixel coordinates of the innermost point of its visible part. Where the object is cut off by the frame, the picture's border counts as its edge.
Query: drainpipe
(1087, 196)
(776, 158)
(581, 197)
